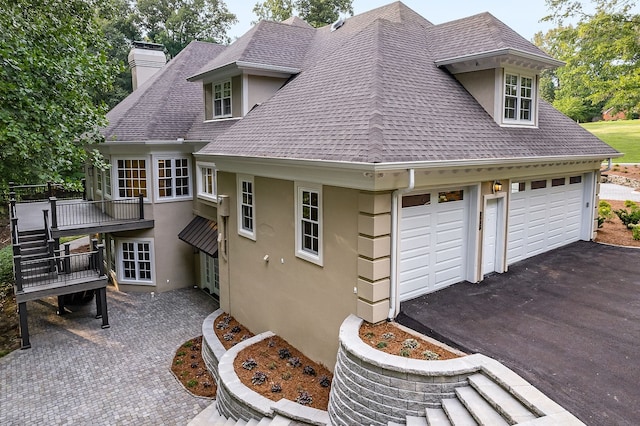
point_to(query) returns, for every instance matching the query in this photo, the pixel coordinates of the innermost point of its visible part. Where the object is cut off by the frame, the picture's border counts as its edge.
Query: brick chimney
(145, 59)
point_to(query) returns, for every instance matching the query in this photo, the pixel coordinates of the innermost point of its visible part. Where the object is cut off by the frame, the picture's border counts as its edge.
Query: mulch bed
(190, 369)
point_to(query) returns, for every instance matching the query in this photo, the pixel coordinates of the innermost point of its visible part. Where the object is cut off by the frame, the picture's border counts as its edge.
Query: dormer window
(222, 99)
(519, 97)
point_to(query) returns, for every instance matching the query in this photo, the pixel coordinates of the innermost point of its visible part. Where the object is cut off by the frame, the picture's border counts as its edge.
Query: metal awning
(202, 234)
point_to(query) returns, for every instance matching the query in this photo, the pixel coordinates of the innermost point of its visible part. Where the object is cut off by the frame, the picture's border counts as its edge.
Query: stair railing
(17, 267)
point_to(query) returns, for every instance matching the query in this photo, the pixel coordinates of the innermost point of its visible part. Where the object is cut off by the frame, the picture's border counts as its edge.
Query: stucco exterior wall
(302, 302)
(481, 85)
(262, 88)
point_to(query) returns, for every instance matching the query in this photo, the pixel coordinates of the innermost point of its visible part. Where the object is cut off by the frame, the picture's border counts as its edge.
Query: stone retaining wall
(372, 387)
(235, 400)
(621, 180)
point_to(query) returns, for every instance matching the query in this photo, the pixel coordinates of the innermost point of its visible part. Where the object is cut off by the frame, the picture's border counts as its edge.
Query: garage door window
(446, 197)
(575, 179)
(517, 187)
(538, 184)
(416, 200)
(557, 182)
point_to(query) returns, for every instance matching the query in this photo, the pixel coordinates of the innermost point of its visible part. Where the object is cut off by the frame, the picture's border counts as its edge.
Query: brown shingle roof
(370, 92)
(165, 107)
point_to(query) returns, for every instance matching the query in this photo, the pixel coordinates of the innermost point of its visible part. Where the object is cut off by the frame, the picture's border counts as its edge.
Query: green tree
(54, 62)
(316, 12)
(602, 52)
(175, 23)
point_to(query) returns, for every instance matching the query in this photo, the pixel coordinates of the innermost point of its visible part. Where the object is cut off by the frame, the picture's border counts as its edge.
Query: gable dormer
(253, 68)
(498, 67)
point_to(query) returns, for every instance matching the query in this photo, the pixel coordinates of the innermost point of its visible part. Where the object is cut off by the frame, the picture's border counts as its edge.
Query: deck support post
(61, 311)
(102, 294)
(24, 326)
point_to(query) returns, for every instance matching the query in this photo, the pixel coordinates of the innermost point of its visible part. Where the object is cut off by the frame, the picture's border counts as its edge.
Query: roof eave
(246, 67)
(498, 57)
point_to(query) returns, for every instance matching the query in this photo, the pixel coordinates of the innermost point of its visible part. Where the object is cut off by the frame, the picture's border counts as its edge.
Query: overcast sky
(522, 16)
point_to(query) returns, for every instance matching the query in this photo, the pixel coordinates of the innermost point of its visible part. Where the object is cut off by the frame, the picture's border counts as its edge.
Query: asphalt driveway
(568, 321)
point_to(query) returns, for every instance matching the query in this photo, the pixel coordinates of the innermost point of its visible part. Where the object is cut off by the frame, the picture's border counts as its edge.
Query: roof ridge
(376, 118)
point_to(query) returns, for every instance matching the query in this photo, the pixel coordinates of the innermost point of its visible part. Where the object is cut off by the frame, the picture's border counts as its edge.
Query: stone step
(280, 421)
(252, 422)
(416, 421)
(437, 417)
(266, 421)
(501, 400)
(457, 413)
(479, 408)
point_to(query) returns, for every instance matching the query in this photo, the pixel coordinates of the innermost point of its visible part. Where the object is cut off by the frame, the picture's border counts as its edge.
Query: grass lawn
(623, 135)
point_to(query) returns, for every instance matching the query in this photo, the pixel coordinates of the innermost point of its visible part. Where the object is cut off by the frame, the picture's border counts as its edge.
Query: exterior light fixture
(497, 186)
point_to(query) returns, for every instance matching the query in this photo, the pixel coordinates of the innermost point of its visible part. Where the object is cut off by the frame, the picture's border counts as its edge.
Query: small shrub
(181, 353)
(191, 383)
(304, 398)
(635, 232)
(294, 361)
(244, 337)
(370, 335)
(286, 376)
(604, 212)
(188, 344)
(430, 355)
(228, 336)
(272, 366)
(284, 353)
(236, 329)
(388, 336)
(410, 344)
(194, 365)
(258, 378)
(179, 362)
(206, 384)
(381, 345)
(631, 216)
(309, 370)
(324, 381)
(405, 352)
(6, 265)
(271, 343)
(249, 364)
(276, 388)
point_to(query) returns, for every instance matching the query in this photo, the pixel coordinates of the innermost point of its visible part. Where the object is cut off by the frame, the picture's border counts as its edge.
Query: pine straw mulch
(389, 338)
(283, 379)
(190, 369)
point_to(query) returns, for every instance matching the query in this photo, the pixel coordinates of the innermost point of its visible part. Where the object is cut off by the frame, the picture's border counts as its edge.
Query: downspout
(397, 194)
(608, 166)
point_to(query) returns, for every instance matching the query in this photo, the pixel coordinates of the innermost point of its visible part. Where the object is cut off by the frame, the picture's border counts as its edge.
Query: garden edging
(237, 401)
(372, 387)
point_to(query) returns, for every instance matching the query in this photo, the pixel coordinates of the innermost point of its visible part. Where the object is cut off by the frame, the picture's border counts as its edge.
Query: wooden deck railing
(58, 270)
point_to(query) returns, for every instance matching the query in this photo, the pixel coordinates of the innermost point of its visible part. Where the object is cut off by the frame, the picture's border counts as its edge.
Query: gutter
(608, 166)
(393, 290)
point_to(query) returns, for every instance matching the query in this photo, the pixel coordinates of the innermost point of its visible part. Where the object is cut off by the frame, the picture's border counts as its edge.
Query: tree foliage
(54, 64)
(316, 12)
(175, 23)
(602, 54)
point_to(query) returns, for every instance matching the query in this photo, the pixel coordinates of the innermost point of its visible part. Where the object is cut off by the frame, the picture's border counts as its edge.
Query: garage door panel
(543, 219)
(432, 246)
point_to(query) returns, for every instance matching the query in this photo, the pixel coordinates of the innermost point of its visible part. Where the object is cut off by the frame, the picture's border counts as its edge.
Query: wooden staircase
(35, 257)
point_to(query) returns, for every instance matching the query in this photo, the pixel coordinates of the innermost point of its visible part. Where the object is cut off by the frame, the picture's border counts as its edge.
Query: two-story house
(344, 169)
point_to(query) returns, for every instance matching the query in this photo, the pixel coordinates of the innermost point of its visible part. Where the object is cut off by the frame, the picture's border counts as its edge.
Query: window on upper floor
(519, 99)
(173, 178)
(222, 99)
(207, 185)
(132, 177)
(103, 181)
(246, 206)
(309, 222)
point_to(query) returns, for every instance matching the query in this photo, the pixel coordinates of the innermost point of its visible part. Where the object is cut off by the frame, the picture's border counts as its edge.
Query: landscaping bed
(190, 370)
(275, 369)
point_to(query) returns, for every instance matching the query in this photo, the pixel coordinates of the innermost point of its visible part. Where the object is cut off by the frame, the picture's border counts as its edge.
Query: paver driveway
(568, 321)
(79, 374)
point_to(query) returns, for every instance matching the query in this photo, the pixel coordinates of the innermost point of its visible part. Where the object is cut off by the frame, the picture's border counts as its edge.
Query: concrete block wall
(212, 350)
(372, 387)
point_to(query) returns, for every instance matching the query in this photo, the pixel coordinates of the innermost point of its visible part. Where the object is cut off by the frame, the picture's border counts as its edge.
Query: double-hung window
(173, 177)
(132, 177)
(246, 206)
(136, 260)
(207, 186)
(222, 99)
(309, 222)
(519, 98)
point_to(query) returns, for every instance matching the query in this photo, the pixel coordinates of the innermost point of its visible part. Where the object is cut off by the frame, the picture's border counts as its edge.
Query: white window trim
(300, 252)
(213, 99)
(156, 178)
(102, 178)
(120, 266)
(114, 176)
(508, 122)
(241, 231)
(200, 190)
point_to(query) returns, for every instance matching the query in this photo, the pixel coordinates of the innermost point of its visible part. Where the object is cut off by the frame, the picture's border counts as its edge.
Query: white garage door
(544, 214)
(432, 242)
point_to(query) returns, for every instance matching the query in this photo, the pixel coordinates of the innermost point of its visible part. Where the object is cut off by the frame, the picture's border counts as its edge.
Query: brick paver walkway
(77, 373)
